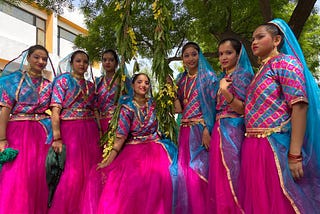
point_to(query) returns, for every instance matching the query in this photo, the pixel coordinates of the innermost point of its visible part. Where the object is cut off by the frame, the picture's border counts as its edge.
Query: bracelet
(57, 139)
(116, 150)
(231, 99)
(291, 156)
(294, 158)
(3, 139)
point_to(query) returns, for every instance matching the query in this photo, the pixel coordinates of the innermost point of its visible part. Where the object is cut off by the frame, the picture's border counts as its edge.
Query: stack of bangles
(294, 158)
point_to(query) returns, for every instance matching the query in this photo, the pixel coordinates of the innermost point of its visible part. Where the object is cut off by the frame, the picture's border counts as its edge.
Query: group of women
(248, 143)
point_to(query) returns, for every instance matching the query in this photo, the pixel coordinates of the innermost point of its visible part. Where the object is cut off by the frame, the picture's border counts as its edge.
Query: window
(65, 39)
(27, 17)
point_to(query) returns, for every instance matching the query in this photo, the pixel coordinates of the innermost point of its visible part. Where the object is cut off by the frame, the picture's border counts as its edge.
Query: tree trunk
(300, 15)
(266, 11)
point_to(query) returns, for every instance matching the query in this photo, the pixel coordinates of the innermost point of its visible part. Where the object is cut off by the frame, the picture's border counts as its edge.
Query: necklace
(187, 96)
(34, 74)
(77, 76)
(142, 110)
(84, 94)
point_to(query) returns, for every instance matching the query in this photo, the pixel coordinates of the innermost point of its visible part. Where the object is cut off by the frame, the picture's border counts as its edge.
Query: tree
(205, 22)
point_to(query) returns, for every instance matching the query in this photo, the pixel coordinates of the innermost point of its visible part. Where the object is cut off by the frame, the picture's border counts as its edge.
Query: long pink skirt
(192, 187)
(222, 196)
(83, 152)
(260, 188)
(137, 181)
(23, 187)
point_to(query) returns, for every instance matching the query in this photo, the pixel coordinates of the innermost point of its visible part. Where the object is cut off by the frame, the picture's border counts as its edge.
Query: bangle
(231, 99)
(295, 158)
(3, 139)
(57, 139)
(116, 150)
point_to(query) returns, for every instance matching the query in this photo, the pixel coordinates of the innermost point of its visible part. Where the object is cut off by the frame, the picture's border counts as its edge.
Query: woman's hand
(225, 83)
(106, 163)
(296, 169)
(206, 138)
(3, 145)
(57, 146)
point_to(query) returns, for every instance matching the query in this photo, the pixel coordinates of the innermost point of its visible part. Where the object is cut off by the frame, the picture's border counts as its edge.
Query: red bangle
(295, 157)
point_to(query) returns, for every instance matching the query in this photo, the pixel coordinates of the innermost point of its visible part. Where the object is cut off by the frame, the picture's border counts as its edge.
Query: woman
(280, 170)
(73, 123)
(106, 92)
(136, 175)
(196, 103)
(228, 131)
(24, 125)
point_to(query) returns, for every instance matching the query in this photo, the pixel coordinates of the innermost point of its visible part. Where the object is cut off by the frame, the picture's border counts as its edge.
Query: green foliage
(161, 70)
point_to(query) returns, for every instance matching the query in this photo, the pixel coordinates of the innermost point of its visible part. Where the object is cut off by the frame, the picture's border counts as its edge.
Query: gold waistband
(22, 116)
(264, 132)
(192, 122)
(228, 115)
(139, 139)
(78, 109)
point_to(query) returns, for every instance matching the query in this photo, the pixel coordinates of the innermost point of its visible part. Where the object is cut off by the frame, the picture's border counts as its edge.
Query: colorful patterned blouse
(138, 124)
(240, 81)
(188, 96)
(75, 97)
(278, 85)
(25, 94)
(105, 96)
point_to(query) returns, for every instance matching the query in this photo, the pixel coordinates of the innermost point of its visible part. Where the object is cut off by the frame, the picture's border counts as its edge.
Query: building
(25, 25)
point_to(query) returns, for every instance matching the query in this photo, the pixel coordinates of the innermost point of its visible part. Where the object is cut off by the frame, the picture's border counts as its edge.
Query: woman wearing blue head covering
(25, 93)
(280, 170)
(196, 92)
(228, 131)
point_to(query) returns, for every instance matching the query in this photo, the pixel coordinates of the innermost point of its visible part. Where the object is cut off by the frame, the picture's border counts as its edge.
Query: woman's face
(227, 56)
(190, 58)
(109, 63)
(262, 42)
(80, 64)
(141, 85)
(38, 60)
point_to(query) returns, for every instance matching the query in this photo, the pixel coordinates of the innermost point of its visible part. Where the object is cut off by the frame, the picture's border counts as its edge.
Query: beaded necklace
(78, 78)
(187, 96)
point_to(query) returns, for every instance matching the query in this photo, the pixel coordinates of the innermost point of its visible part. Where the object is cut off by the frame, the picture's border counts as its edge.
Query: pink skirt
(137, 181)
(260, 188)
(23, 187)
(104, 123)
(222, 197)
(83, 152)
(192, 187)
